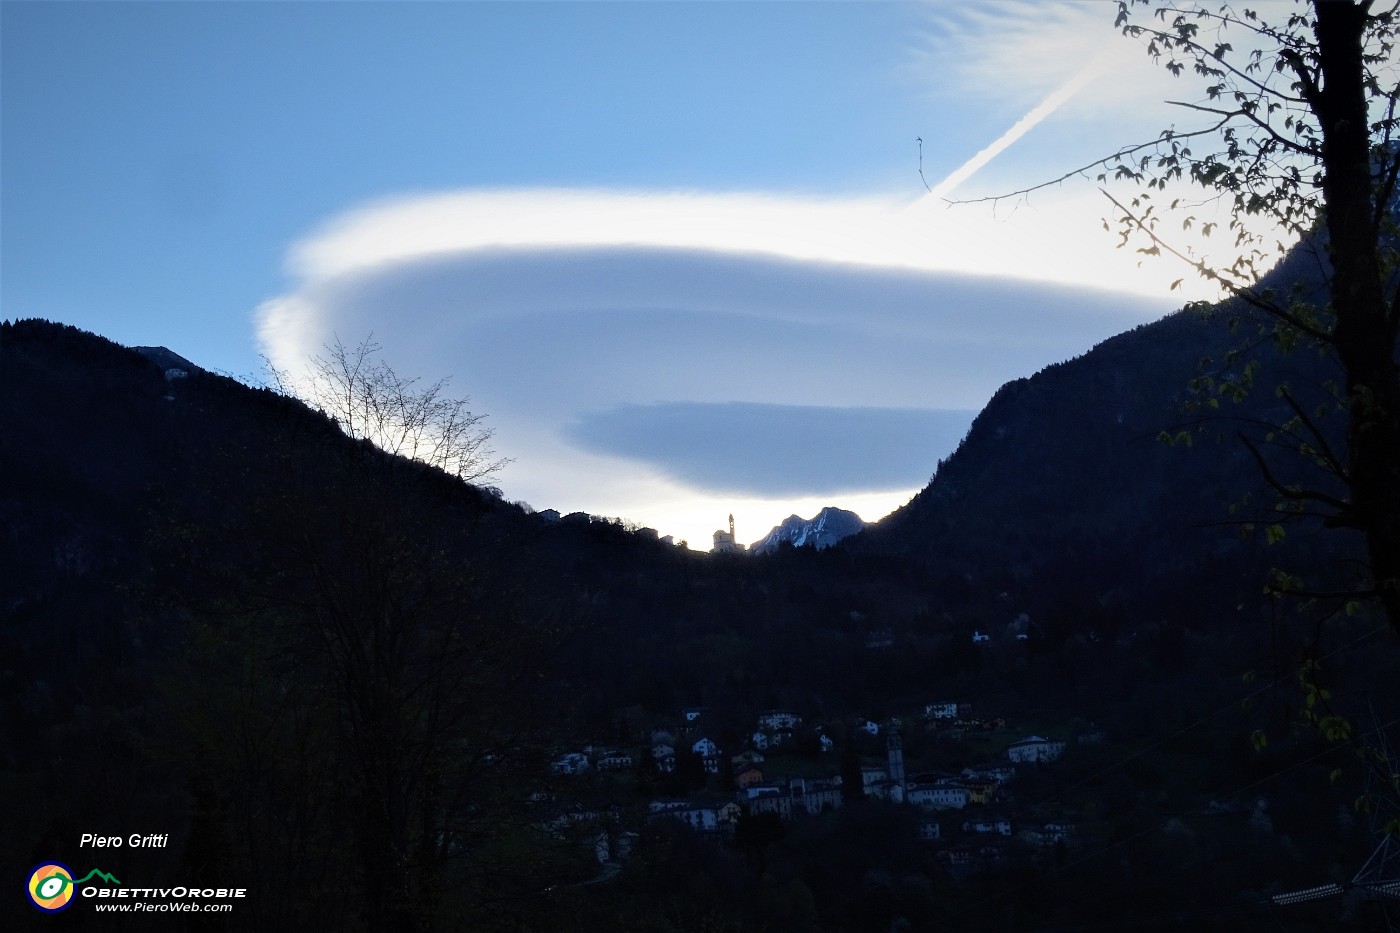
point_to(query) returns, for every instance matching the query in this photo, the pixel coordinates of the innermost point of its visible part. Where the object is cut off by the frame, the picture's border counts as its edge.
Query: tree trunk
(1365, 330)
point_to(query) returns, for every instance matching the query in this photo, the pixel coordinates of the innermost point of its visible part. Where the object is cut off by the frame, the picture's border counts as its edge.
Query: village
(789, 769)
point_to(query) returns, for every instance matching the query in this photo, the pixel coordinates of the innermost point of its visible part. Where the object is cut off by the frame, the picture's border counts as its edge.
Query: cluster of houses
(792, 797)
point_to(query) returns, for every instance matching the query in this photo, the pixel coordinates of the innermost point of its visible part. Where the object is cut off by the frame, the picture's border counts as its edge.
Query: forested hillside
(313, 665)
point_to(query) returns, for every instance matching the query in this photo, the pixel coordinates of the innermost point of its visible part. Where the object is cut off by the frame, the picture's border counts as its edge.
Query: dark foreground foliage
(336, 678)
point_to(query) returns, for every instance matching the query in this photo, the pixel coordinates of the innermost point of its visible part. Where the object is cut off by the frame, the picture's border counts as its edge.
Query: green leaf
(1334, 728)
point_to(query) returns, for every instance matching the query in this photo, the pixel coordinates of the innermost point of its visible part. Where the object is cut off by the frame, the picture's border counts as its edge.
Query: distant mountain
(829, 526)
(167, 359)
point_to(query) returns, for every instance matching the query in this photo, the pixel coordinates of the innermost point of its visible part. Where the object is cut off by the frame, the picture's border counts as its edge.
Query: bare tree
(372, 402)
(373, 676)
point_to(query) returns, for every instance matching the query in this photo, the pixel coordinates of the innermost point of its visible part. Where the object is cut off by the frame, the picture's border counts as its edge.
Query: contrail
(1018, 129)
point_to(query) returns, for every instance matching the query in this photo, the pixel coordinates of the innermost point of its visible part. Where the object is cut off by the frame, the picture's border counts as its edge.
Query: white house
(770, 799)
(998, 773)
(615, 761)
(570, 763)
(765, 741)
(945, 710)
(705, 748)
(820, 795)
(699, 818)
(793, 798)
(778, 720)
(1035, 748)
(760, 790)
(949, 795)
(999, 827)
(940, 795)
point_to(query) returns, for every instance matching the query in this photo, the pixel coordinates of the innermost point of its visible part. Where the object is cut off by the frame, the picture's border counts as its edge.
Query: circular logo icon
(51, 887)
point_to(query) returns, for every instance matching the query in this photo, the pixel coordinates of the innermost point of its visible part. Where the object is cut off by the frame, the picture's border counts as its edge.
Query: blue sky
(680, 253)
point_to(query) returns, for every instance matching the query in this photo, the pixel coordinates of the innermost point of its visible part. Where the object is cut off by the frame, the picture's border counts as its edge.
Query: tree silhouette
(372, 402)
(1299, 131)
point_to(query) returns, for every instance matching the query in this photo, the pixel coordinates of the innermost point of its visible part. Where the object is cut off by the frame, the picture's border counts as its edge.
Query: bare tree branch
(1252, 117)
(1343, 508)
(1247, 295)
(372, 402)
(1115, 158)
(1200, 53)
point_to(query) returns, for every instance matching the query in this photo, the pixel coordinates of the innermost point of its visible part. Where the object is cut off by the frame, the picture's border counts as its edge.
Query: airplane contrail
(1018, 129)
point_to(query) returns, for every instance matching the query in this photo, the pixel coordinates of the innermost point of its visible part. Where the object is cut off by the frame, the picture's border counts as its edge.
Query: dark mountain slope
(1065, 494)
(176, 556)
(210, 597)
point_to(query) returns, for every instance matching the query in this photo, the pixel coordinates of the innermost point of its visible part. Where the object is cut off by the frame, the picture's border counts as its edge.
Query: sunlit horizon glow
(644, 498)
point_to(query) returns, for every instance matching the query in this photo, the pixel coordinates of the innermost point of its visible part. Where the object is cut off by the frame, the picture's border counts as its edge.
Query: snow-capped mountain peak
(825, 529)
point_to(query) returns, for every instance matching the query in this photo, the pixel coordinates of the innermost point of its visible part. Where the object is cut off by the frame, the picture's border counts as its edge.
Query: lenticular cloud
(577, 319)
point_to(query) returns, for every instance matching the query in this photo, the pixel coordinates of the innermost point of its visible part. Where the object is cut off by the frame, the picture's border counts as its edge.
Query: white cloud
(567, 310)
(1057, 239)
(554, 308)
(576, 317)
(1017, 51)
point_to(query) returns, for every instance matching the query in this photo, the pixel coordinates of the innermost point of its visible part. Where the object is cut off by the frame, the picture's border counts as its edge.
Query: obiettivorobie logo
(52, 888)
(51, 885)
